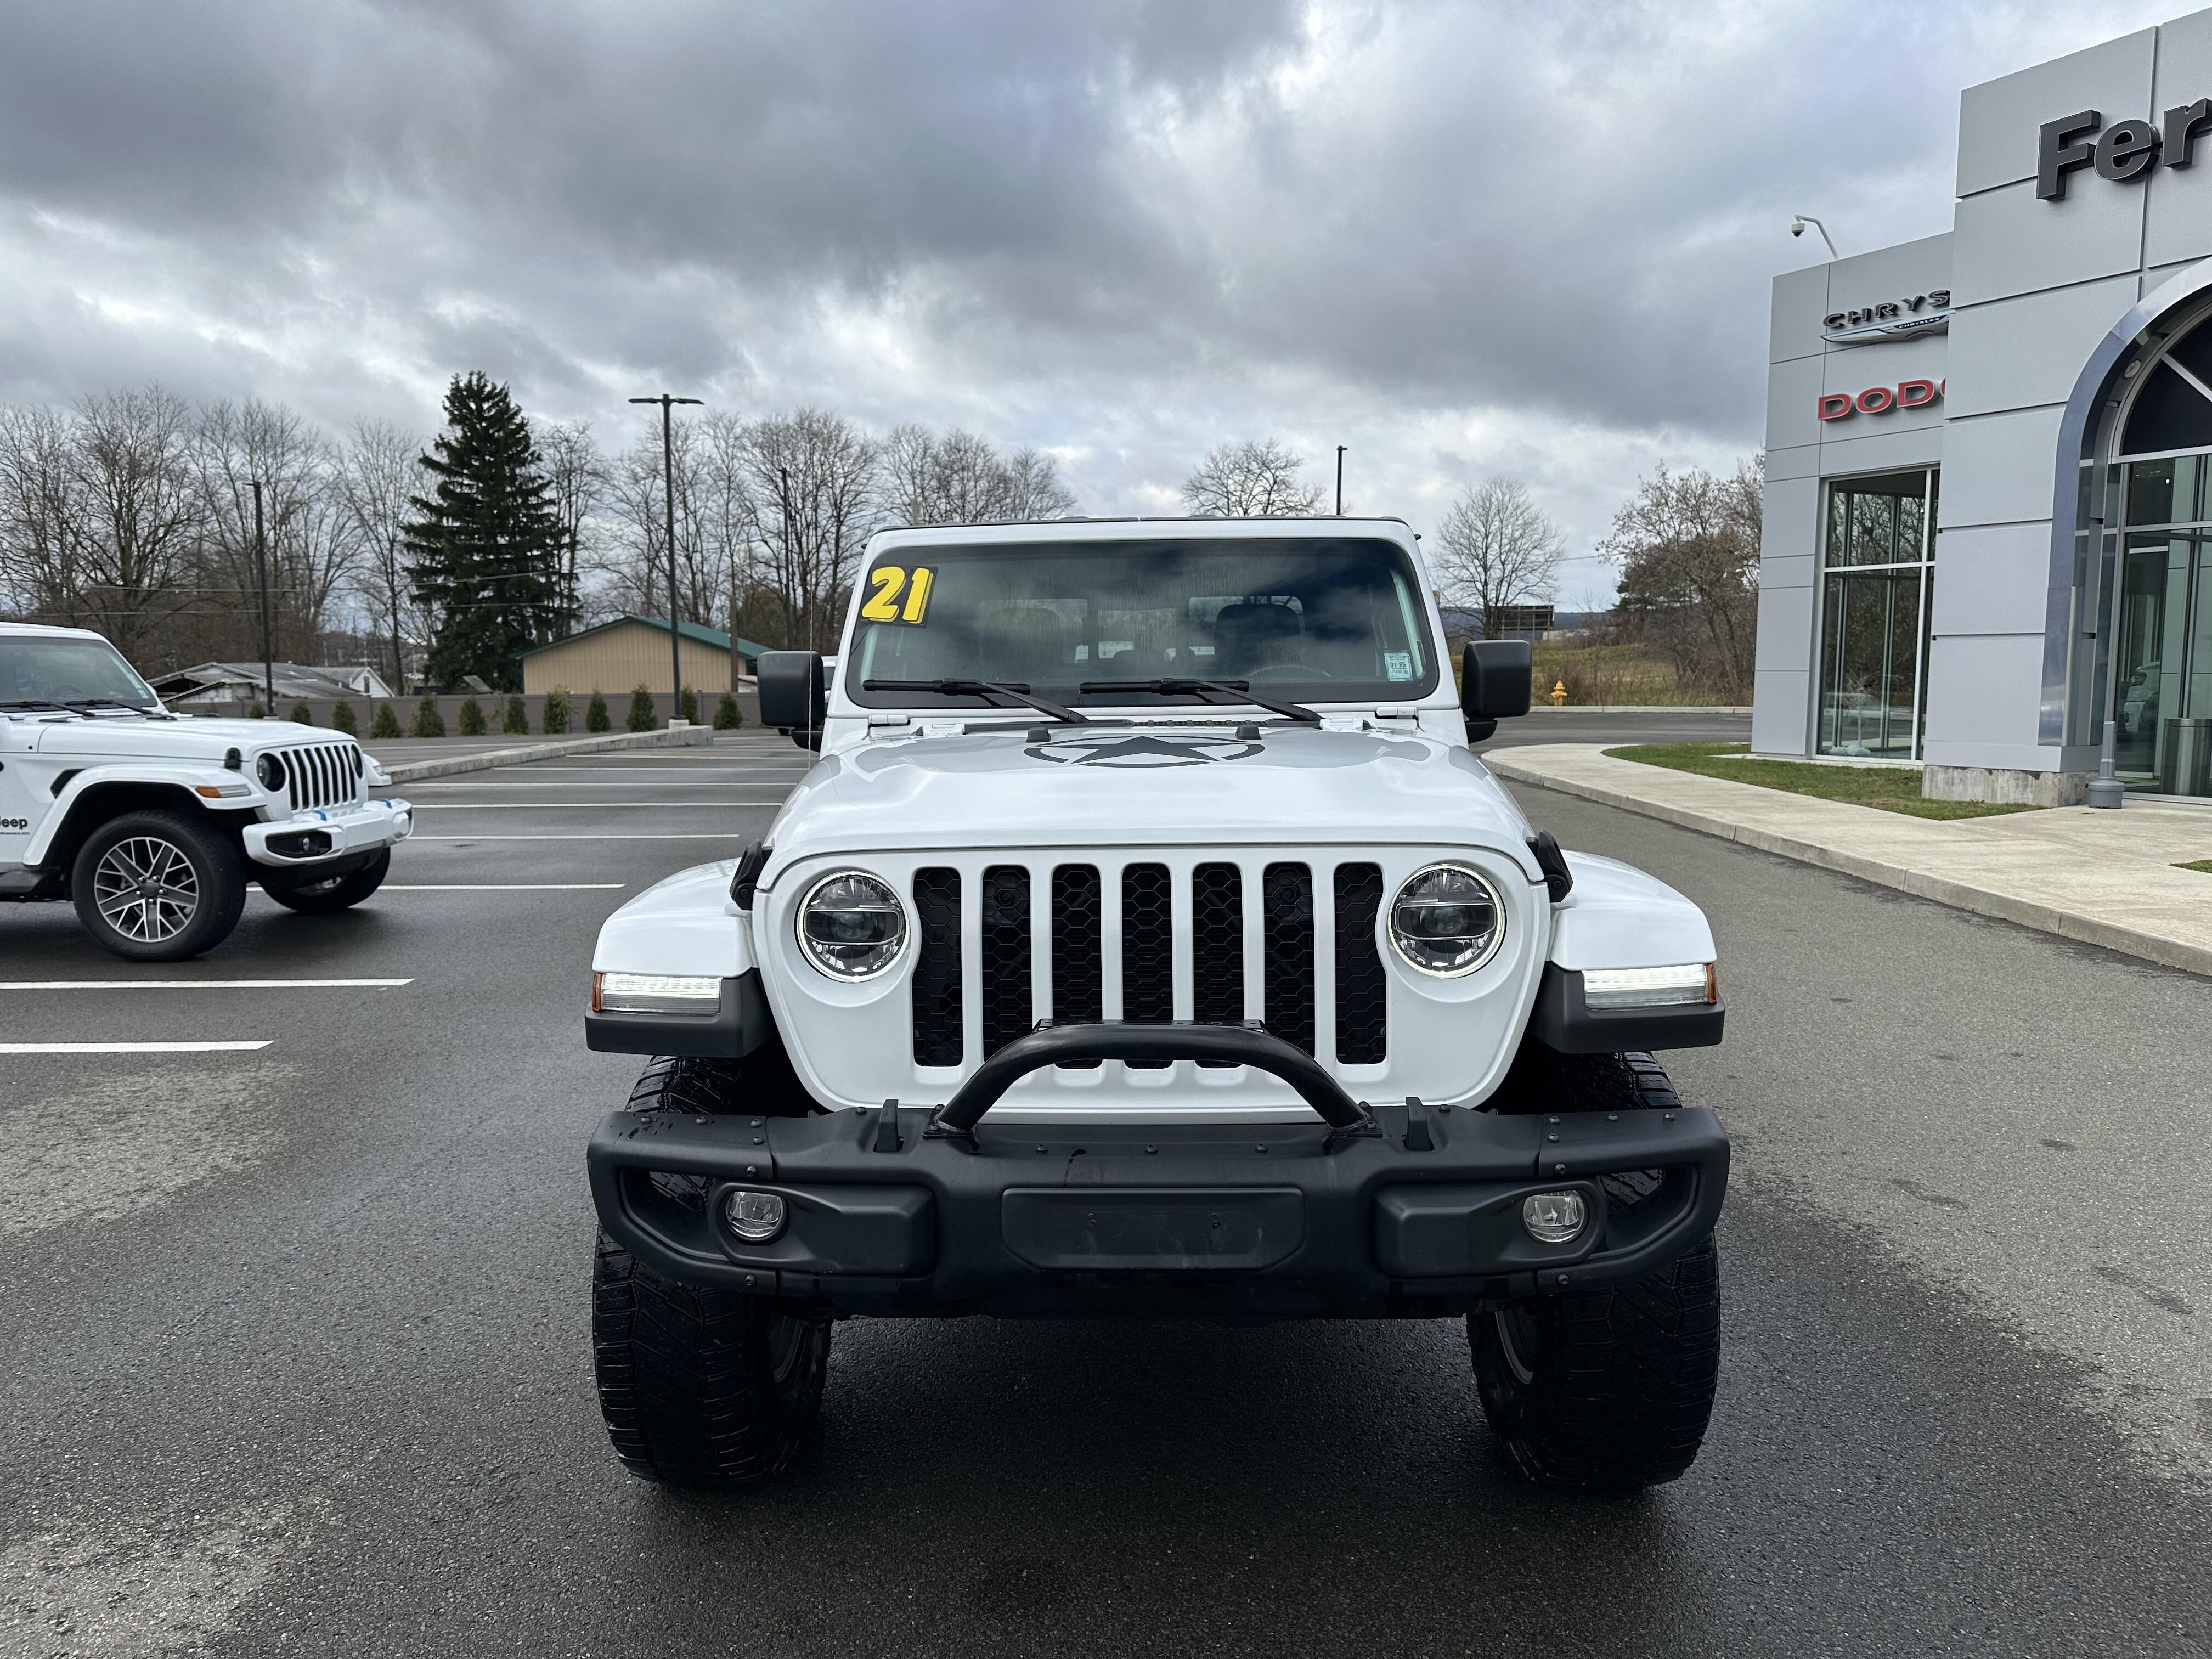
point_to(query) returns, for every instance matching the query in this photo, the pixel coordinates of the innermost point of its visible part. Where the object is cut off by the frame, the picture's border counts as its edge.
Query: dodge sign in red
(1880, 399)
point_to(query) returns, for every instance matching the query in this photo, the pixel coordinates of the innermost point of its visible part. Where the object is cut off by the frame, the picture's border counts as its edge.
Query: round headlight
(269, 769)
(1446, 921)
(852, 926)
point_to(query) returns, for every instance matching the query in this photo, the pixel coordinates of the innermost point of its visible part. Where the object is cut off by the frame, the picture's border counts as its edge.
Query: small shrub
(386, 724)
(256, 712)
(472, 719)
(688, 706)
(728, 717)
(342, 719)
(641, 717)
(517, 723)
(595, 716)
(553, 719)
(428, 722)
(301, 715)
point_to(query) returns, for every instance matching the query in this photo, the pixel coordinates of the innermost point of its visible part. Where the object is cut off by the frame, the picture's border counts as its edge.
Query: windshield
(52, 668)
(1314, 620)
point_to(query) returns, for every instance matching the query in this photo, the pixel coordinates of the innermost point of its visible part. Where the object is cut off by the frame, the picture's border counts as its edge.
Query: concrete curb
(485, 759)
(1921, 883)
(1540, 706)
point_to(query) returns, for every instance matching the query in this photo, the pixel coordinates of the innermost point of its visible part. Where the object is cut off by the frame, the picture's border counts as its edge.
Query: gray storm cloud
(1461, 239)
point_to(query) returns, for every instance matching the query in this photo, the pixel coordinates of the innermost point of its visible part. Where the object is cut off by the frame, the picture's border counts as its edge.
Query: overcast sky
(1532, 238)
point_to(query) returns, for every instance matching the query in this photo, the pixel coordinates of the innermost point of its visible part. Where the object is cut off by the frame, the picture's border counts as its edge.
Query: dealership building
(1988, 463)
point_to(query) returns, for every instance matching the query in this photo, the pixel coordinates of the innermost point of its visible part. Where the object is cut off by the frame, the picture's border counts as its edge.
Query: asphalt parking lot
(300, 1363)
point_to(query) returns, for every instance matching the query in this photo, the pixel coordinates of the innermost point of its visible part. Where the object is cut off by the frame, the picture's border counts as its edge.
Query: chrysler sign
(2124, 150)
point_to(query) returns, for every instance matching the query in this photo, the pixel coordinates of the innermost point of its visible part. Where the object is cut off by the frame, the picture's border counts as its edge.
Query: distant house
(633, 651)
(211, 683)
(1511, 622)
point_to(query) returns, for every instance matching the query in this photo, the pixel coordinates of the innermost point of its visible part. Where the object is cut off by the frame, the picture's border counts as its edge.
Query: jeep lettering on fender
(1149, 940)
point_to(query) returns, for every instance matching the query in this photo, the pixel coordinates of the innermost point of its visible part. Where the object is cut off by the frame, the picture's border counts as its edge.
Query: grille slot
(1148, 951)
(1286, 953)
(1007, 1005)
(320, 775)
(1362, 1005)
(1079, 975)
(937, 1004)
(1216, 964)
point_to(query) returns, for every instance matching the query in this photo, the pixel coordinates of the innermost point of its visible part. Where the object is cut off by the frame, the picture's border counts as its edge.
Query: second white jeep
(153, 824)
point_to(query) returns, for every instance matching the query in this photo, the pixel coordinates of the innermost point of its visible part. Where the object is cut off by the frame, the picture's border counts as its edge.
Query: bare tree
(1494, 548)
(1687, 550)
(42, 520)
(815, 475)
(1034, 491)
(376, 478)
(143, 512)
(578, 474)
(959, 479)
(1250, 480)
(313, 539)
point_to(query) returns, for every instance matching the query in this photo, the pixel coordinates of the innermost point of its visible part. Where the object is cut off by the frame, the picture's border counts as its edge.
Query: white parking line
(197, 984)
(130, 1048)
(499, 886)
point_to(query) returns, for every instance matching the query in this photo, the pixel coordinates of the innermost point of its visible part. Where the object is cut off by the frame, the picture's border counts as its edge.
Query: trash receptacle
(2185, 765)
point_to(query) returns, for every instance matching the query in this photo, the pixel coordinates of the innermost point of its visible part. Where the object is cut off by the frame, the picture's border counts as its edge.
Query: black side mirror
(793, 695)
(1494, 684)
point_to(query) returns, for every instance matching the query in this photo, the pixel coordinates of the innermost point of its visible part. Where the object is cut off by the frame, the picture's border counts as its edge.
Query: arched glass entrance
(2148, 572)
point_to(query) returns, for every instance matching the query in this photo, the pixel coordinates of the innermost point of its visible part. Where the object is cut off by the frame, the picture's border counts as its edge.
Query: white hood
(120, 735)
(1149, 786)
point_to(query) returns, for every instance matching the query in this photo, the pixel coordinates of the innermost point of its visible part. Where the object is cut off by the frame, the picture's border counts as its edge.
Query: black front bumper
(1416, 1213)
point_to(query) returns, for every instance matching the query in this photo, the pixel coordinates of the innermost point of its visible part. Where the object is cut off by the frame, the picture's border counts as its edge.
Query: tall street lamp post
(1339, 480)
(268, 649)
(668, 494)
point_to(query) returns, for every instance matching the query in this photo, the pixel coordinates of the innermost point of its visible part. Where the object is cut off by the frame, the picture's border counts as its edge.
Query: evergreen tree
(484, 553)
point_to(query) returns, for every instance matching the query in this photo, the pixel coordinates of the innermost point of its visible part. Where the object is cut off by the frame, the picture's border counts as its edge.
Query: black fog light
(305, 844)
(756, 1218)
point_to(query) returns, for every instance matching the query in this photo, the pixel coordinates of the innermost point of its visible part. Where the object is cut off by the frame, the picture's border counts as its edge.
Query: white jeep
(151, 823)
(1149, 940)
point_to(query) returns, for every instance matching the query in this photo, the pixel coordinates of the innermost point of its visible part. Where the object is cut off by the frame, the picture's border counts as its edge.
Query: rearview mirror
(1493, 684)
(793, 695)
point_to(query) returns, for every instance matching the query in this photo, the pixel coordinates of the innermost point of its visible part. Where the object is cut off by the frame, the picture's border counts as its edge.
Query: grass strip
(2204, 865)
(1889, 788)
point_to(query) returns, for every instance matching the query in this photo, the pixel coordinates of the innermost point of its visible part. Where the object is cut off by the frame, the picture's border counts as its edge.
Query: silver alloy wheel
(146, 889)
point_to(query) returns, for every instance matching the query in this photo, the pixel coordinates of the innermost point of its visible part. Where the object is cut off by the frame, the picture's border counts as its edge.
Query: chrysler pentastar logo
(1142, 750)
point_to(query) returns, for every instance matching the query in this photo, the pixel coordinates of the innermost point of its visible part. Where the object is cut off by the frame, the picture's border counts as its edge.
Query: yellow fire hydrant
(1558, 693)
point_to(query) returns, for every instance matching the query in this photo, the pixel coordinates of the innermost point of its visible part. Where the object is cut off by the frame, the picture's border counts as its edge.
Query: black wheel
(1607, 1389)
(700, 1386)
(319, 898)
(158, 886)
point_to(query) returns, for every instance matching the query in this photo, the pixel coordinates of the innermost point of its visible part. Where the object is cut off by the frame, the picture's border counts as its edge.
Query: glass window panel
(1870, 679)
(2141, 665)
(2150, 492)
(2169, 413)
(1912, 528)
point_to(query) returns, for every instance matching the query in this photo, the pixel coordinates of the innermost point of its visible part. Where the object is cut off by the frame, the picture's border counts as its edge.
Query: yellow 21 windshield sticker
(887, 583)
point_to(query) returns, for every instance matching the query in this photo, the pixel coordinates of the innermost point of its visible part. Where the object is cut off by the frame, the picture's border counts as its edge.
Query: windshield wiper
(104, 703)
(1018, 689)
(37, 702)
(1228, 690)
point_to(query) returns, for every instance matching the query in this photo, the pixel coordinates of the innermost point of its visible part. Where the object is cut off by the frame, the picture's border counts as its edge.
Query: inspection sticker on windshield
(1398, 665)
(888, 582)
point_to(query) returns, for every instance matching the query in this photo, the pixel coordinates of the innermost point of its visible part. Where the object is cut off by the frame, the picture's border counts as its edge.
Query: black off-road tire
(701, 1386)
(198, 856)
(1611, 1390)
(323, 898)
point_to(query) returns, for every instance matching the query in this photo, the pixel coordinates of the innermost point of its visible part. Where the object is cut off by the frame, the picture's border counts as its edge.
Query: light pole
(1339, 480)
(668, 489)
(1797, 229)
(268, 650)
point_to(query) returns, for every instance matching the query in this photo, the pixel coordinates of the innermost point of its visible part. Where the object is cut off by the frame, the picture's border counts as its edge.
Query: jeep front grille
(1272, 959)
(321, 774)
